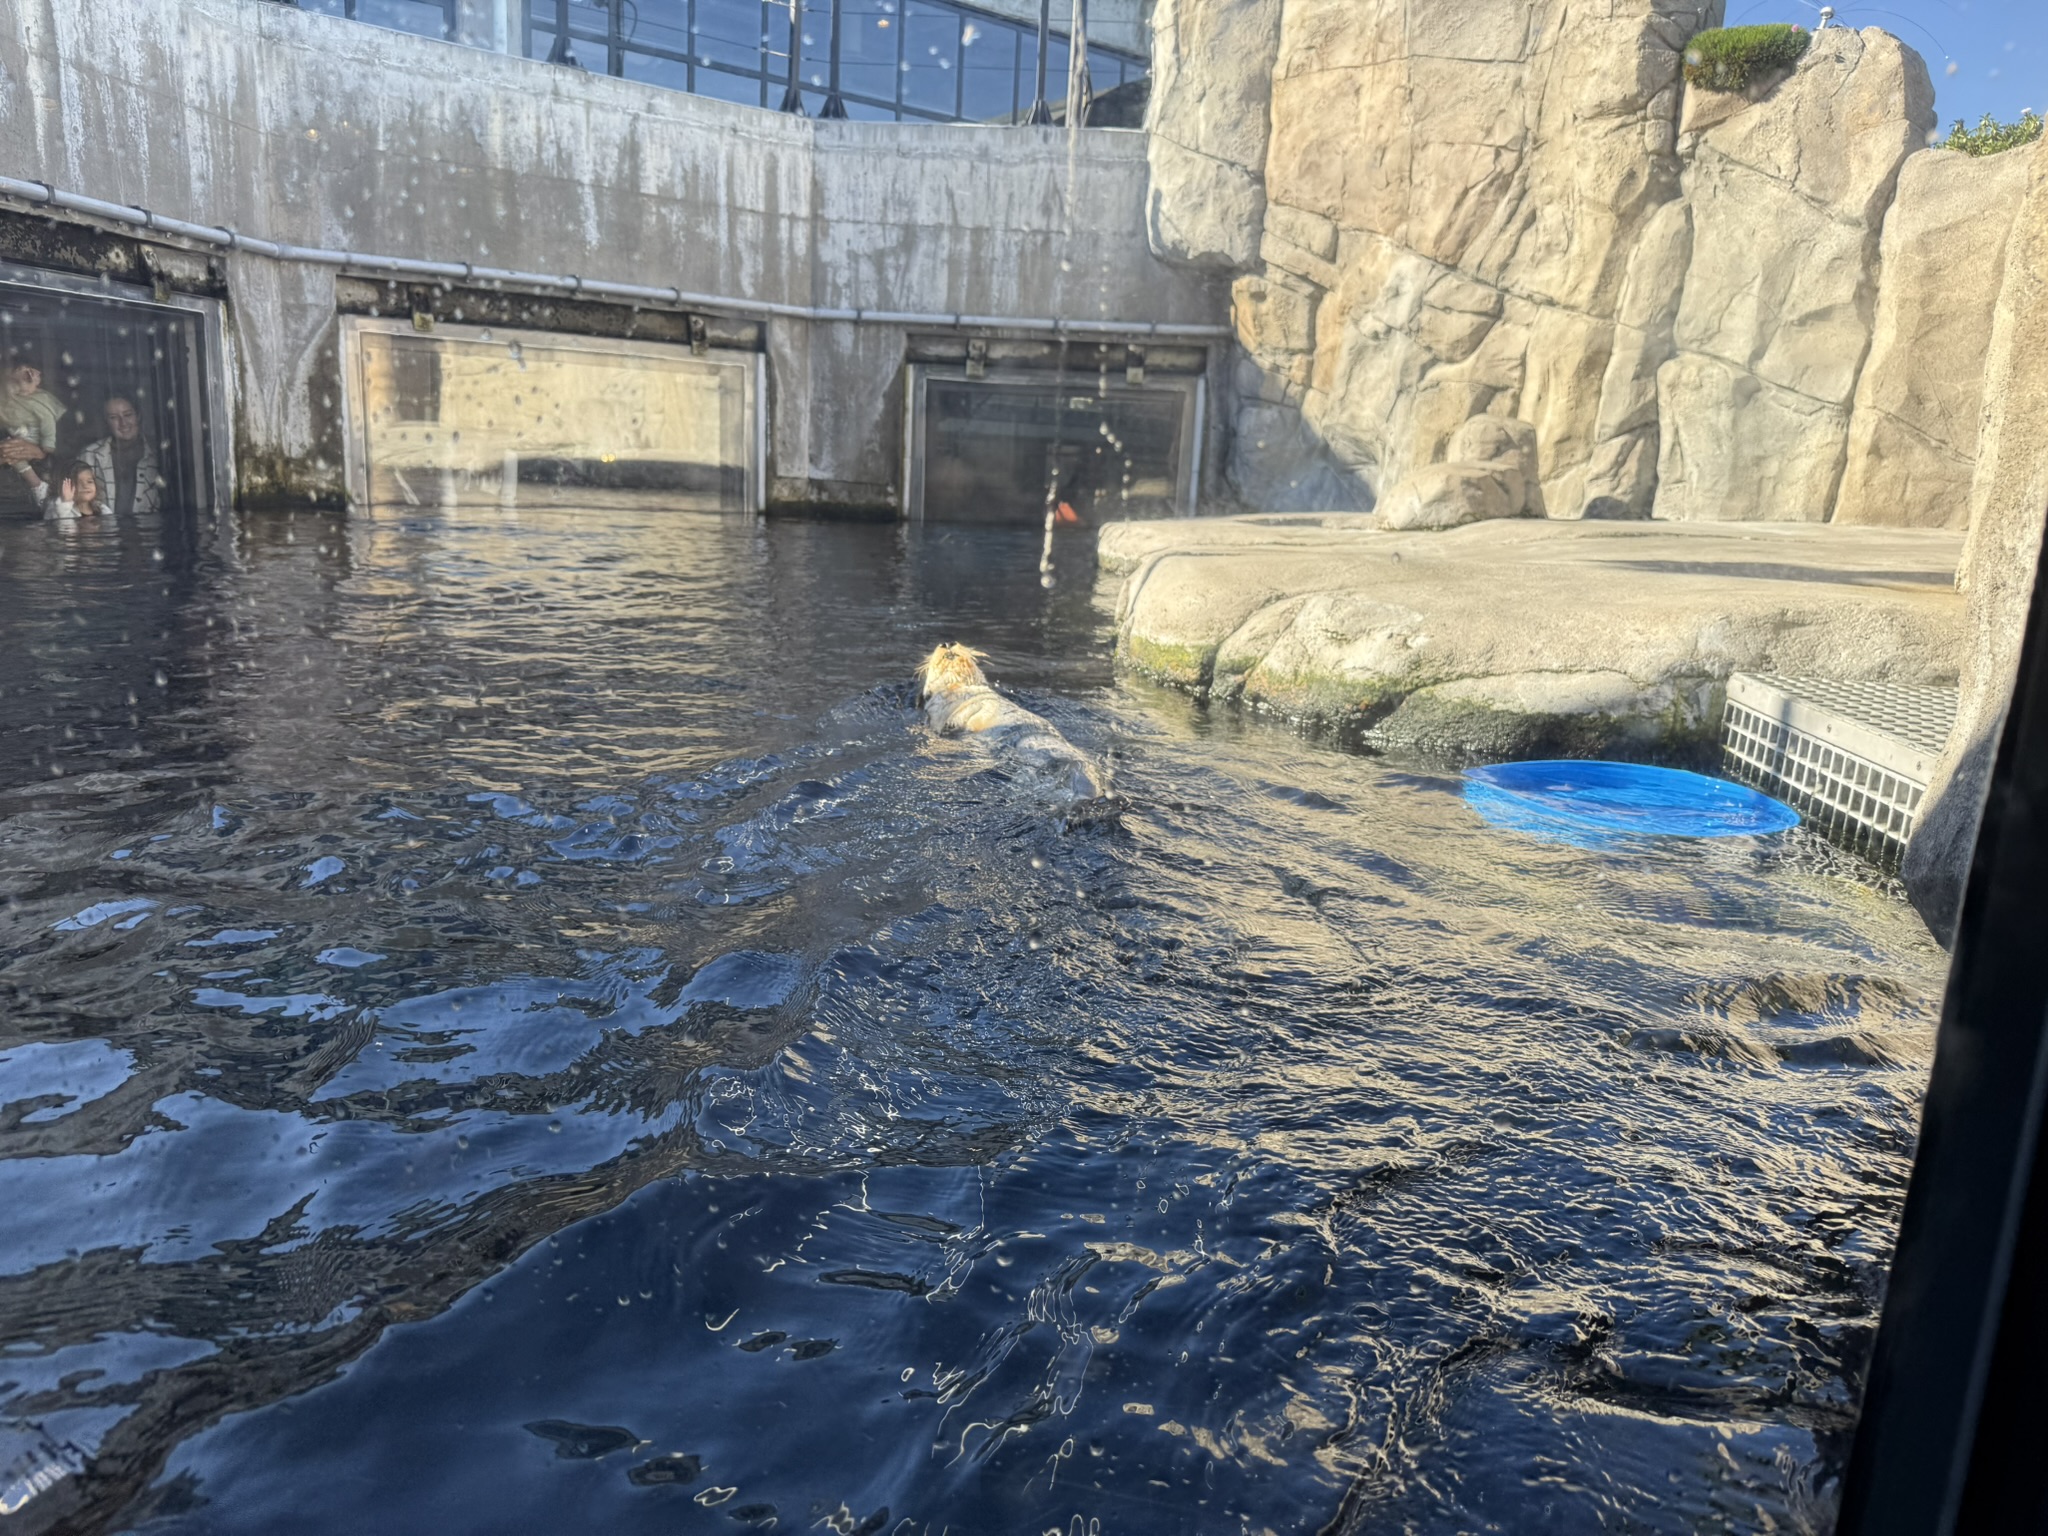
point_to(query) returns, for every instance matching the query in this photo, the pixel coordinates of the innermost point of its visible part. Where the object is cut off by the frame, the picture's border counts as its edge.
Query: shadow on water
(511, 1022)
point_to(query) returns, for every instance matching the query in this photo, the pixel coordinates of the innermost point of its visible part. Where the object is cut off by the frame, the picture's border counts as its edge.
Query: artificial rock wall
(1730, 307)
(2008, 507)
(1913, 434)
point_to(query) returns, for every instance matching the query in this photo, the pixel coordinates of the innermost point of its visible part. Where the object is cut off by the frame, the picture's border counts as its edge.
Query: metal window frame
(355, 442)
(917, 377)
(212, 444)
(902, 30)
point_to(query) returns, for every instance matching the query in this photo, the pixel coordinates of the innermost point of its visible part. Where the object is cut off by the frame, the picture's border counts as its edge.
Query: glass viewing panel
(990, 450)
(454, 419)
(112, 383)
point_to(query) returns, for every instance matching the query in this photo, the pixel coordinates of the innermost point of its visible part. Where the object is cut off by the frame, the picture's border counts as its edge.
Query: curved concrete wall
(323, 132)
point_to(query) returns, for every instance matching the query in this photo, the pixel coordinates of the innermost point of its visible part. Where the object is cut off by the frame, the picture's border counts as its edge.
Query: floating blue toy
(1592, 805)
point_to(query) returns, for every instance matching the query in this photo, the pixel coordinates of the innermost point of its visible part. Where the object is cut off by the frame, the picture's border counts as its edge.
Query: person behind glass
(78, 495)
(124, 463)
(27, 409)
(30, 415)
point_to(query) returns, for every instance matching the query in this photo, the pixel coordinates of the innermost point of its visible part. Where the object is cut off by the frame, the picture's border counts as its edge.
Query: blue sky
(1985, 55)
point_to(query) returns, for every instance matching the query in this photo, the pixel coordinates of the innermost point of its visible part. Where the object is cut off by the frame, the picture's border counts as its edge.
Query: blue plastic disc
(1592, 804)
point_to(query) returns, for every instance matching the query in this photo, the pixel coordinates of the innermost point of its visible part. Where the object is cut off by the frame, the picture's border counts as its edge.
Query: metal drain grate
(1853, 758)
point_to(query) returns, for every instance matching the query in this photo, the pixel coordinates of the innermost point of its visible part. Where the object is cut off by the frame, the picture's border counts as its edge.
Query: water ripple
(526, 1028)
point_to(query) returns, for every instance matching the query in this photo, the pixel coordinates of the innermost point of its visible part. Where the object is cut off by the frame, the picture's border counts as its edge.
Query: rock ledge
(1506, 639)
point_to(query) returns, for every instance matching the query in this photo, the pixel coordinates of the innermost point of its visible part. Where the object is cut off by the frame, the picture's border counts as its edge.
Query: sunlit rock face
(1443, 209)
(1486, 475)
(1212, 85)
(1453, 192)
(1788, 199)
(1913, 434)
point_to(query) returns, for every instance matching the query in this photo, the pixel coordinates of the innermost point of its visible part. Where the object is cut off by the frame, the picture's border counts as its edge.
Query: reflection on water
(511, 1024)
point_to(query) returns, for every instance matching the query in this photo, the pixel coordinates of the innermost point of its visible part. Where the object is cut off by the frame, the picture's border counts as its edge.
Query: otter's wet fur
(957, 700)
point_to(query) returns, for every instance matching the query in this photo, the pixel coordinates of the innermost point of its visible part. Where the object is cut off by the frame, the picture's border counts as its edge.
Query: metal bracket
(422, 321)
(700, 340)
(977, 356)
(1134, 365)
(159, 279)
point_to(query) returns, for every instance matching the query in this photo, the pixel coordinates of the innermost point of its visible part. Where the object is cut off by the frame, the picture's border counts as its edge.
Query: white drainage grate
(1853, 758)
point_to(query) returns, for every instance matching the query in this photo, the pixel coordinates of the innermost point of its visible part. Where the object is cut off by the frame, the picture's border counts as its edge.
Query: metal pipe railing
(220, 236)
(1080, 87)
(835, 104)
(562, 53)
(793, 98)
(1041, 112)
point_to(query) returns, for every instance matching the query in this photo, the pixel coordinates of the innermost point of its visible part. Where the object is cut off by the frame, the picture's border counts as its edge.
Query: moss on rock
(1732, 58)
(268, 480)
(1184, 666)
(1342, 703)
(1430, 724)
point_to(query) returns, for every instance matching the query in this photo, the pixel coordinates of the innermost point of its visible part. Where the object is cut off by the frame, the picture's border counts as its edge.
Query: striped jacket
(149, 484)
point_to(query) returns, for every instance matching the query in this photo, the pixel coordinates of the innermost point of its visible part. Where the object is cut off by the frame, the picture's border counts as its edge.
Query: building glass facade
(900, 60)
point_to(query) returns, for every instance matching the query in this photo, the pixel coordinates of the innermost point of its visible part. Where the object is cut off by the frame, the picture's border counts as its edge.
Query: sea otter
(957, 700)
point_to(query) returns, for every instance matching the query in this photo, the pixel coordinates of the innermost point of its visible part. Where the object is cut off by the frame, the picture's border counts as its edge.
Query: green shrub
(1728, 58)
(1990, 136)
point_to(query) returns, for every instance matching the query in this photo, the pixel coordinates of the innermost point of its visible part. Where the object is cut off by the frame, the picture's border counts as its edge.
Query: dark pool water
(507, 1023)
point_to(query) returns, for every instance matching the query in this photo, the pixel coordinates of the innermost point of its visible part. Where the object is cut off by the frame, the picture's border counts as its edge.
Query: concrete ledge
(1125, 546)
(1528, 637)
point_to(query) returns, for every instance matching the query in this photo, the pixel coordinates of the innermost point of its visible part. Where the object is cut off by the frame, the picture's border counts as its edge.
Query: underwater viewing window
(102, 374)
(988, 450)
(470, 416)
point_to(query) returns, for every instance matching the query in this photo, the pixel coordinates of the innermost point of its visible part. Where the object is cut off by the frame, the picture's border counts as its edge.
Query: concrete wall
(313, 130)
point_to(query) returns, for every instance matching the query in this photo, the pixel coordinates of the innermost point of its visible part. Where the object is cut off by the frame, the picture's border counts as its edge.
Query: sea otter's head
(948, 669)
